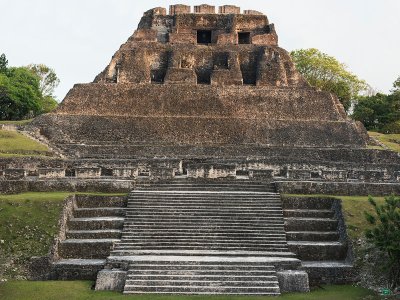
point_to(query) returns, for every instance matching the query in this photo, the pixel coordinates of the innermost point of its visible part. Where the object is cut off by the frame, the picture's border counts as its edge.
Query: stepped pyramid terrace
(204, 120)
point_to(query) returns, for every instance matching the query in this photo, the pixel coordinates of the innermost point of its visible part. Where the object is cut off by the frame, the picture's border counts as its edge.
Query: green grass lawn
(76, 290)
(28, 223)
(392, 141)
(20, 122)
(13, 143)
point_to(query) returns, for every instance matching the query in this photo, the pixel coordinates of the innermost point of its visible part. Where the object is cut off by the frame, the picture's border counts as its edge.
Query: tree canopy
(25, 92)
(380, 112)
(328, 74)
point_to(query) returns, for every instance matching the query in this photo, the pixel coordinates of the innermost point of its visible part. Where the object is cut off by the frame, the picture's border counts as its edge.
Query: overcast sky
(78, 37)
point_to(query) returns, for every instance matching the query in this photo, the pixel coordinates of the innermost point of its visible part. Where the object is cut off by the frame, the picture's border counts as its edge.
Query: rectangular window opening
(203, 36)
(244, 37)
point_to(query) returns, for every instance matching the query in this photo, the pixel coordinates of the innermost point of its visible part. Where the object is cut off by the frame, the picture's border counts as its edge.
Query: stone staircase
(316, 232)
(93, 227)
(203, 237)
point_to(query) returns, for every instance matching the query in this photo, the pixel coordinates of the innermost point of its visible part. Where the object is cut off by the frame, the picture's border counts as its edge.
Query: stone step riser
(200, 221)
(204, 197)
(311, 214)
(92, 213)
(203, 290)
(116, 255)
(311, 225)
(211, 187)
(197, 218)
(90, 203)
(319, 252)
(184, 279)
(310, 236)
(85, 250)
(89, 235)
(127, 250)
(202, 282)
(204, 238)
(209, 226)
(200, 267)
(94, 225)
(216, 243)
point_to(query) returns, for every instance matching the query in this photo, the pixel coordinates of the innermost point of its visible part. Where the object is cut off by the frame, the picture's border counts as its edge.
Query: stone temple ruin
(205, 119)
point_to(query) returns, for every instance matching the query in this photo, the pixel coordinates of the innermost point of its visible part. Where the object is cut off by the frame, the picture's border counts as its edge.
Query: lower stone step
(94, 234)
(86, 248)
(97, 223)
(312, 235)
(310, 224)
(76, 269)
(330, 272)
(201, 277)
(318, 251)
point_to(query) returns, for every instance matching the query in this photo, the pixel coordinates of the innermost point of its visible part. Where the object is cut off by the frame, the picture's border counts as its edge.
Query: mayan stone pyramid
(197, 84)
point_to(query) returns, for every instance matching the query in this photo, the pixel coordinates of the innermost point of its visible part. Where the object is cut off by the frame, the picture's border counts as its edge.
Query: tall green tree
(380, 112)
(385, 234)
(3, 63)
(25, 92)
(328, 74)
(19, 94)
(48, 78)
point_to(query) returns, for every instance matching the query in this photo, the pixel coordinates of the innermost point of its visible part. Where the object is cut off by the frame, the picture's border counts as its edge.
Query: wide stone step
(100, 201)
(306, 203)
(206, 282)
(202, 290)
(94, 234)
(310, 250)
(209, 235)
(206, 188)
(205, 196)
(308, 213)
(312, 235)
(188, 276)
(127, 250)
(236, 211)
(76, 269)
(204, 228)
(202, 203)
(201, 275)
(217, 242)
(203, 232)
(97, 223)
(277, 238)
(182, 266)
(212, 255)
(310, 224)
(196, 217)
(99, 212)
(86, 248)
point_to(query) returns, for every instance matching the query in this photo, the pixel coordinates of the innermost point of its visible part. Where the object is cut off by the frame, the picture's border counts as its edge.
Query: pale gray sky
(78, 37)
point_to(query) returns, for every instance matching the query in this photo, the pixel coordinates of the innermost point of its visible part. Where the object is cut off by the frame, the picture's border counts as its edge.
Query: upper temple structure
(199, 79)
(204, 120)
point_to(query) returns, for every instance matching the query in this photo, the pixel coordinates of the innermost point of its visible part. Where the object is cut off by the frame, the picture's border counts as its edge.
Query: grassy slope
(392, 141)
(21, 290)
(28, 223)
(13, 143)
(20, 122)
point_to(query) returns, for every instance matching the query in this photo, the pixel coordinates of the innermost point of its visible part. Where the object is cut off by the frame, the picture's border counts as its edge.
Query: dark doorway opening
(244, 37)
(203, 36)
